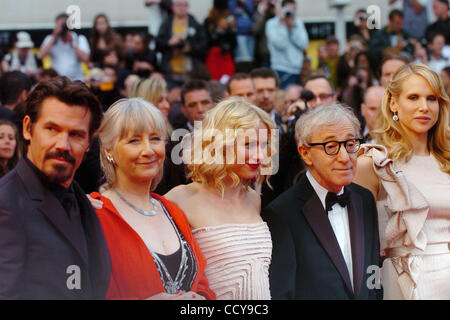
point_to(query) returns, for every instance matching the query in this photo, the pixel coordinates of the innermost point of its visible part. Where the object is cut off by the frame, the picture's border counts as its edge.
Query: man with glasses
(324, 229)
(320, 92)
(323, 91)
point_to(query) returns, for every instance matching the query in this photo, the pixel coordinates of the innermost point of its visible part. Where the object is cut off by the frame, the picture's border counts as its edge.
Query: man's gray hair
(323, 116)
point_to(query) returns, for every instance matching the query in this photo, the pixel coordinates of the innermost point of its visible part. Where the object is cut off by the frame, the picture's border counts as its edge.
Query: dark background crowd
(249, 66)
(237, 39)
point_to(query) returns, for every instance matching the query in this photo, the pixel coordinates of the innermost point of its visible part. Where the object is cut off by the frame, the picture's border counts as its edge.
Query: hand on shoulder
(96, 203)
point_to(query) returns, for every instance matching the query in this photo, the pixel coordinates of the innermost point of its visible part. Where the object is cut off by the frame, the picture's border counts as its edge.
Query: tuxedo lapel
(318, 220)
(54, 211)
(356, 225)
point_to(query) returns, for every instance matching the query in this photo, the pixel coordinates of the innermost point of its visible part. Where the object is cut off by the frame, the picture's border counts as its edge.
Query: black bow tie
(333, 198)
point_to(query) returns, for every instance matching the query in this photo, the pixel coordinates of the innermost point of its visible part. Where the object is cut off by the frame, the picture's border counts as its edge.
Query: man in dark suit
(52, 245)
(324, 228)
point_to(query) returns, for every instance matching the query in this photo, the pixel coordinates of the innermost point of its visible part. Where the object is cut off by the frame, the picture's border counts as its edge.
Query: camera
(288, 12)
(363, 17)
(64, 30)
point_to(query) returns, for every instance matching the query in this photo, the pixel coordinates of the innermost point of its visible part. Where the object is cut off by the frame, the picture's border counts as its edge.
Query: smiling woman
(409, 175)
(221, 205)
(153, 252)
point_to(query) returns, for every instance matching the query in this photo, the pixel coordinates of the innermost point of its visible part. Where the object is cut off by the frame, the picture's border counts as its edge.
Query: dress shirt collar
(320, 191)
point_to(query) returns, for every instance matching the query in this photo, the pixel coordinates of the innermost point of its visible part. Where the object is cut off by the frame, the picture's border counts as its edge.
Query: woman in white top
(409, 175)
(230, 153)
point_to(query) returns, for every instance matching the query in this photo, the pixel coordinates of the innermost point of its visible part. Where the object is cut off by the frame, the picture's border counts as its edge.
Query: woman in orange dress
(153, 252)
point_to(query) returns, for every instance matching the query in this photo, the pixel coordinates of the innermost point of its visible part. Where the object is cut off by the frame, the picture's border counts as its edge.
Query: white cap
(24, 40)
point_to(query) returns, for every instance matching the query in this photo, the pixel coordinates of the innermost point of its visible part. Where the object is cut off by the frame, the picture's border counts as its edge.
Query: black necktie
(68, 201)
(333, 198)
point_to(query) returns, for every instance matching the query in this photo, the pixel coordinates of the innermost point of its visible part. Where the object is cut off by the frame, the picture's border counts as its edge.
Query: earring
(110, 159)
(395, 116)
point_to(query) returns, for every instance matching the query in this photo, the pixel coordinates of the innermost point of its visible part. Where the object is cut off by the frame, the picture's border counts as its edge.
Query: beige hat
(24, 40)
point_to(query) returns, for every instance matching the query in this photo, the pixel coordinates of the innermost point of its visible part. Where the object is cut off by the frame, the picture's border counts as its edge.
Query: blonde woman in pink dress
(222, 207)
(409, 175)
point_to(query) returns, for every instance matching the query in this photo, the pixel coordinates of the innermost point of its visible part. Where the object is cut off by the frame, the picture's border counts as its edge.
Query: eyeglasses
(332, 148)
(323, 96)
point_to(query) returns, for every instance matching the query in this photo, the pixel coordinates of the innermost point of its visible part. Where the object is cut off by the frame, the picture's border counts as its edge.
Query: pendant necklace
(144, 212)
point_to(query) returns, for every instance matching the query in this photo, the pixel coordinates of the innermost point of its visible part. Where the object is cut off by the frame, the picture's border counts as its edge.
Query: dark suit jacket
(307, 262)
(38, 246)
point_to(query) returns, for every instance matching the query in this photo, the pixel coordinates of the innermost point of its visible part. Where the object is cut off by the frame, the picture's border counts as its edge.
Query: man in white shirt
(324, 229)
(287, 38)
(66, 49)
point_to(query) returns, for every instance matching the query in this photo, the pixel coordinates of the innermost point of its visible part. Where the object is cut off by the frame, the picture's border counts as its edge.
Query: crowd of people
(214, 161)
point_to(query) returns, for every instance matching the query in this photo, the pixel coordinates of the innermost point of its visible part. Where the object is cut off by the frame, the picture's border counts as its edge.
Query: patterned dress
(238, 258)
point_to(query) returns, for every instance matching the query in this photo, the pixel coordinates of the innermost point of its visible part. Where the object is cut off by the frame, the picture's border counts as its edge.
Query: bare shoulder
(365, 174)
(178, 192)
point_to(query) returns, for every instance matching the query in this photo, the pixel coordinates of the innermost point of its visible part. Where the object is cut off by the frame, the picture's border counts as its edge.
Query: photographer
(66, 49)
(287, 39)
(220, 27)
(360, 26)
(243, 12)
(182, 42)
(266, 10)
(392, 39)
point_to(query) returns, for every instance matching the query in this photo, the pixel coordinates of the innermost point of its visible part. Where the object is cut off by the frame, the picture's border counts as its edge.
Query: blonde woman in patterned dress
(222, 207)
(409, 176)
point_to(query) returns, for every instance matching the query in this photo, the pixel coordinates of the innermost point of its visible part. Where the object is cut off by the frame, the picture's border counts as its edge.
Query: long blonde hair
(231, 114)
(390, 133)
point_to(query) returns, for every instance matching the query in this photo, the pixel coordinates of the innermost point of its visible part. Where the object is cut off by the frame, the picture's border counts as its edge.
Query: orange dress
(133, 271)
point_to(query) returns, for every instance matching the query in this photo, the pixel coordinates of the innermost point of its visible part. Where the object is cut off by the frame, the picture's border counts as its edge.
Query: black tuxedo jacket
(307, 262)
(40, 253)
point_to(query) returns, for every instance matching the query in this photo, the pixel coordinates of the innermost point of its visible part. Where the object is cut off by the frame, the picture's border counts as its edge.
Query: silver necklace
(144, 212)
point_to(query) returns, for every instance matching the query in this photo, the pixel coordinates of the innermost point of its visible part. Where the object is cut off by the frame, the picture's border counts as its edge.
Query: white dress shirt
(338, 217)
(63, 57)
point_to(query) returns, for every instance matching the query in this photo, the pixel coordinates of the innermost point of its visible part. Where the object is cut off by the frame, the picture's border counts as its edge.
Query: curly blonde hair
(390, 133)
(228, 119)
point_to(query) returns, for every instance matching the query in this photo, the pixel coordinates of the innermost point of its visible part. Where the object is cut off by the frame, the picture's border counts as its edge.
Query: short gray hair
(124, 116)
(323, 116)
